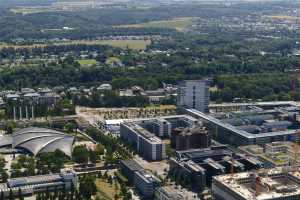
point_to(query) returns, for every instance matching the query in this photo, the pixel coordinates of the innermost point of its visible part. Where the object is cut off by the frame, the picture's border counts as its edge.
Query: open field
(87, 62)
(106, 190)
(131, 44)
(284, 17)
(30, 10)
(177, 23)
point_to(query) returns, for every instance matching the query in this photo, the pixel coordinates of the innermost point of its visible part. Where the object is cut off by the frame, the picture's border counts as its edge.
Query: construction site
(273, 184)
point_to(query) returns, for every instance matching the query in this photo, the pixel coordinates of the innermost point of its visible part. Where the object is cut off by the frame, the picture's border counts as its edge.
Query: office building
(196, 167)
(271, 184)
(128, 169)
(146, 183)
(145, 143)
(146, 135)
(188, 172)
(262, 123)
(172, 192)
(169, 193)
(183, 121)
(194, 94)
(27, 186)
(160, 127)
(190, 138)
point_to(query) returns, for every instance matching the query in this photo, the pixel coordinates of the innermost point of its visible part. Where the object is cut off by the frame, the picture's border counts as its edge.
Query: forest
(242, 63)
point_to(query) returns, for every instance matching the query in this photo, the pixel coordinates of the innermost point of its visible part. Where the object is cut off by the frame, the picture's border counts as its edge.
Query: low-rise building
(27, 186)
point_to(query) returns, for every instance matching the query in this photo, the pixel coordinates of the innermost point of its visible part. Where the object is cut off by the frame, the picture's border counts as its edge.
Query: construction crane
(232, 165)
(294, 86)
(296, 150)
(294, 83)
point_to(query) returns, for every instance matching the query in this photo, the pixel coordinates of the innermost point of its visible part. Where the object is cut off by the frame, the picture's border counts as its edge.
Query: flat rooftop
(152, 138)
(284, 108)
(132, 165)
(262, 185)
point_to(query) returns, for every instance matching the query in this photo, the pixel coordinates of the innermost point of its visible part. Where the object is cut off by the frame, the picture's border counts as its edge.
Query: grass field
(30, 10)
(105, 190)
(284, 17)
(87, 62)
(131, 44)
(177, 23)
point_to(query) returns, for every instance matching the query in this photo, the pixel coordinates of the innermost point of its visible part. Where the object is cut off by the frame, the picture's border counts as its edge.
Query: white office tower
(194, 94)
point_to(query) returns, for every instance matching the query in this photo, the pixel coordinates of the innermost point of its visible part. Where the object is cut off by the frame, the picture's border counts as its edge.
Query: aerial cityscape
(149, 100)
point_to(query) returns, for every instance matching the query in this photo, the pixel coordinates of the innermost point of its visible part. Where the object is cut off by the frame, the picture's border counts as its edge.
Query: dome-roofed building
(40, 140)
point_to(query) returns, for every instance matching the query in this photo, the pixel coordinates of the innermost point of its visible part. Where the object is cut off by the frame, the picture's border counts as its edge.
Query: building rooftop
(144, 133)
(238, 131)
(39, 140)
(147, 177)
(264, 185)
(132, 165)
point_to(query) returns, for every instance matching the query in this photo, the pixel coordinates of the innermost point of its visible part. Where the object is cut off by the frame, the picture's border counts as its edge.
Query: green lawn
(177, 23)
(87, 62)
(131, 44)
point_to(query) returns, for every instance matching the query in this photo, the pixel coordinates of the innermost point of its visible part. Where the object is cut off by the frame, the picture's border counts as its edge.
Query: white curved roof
(38, 140)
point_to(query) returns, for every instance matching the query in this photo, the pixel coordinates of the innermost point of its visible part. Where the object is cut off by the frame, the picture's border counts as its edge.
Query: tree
(20, 195)
(87, 186)
(99, 149)
(93, 156)
(70, 126)
(9, 126)
(51, 162)
(80, 154)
